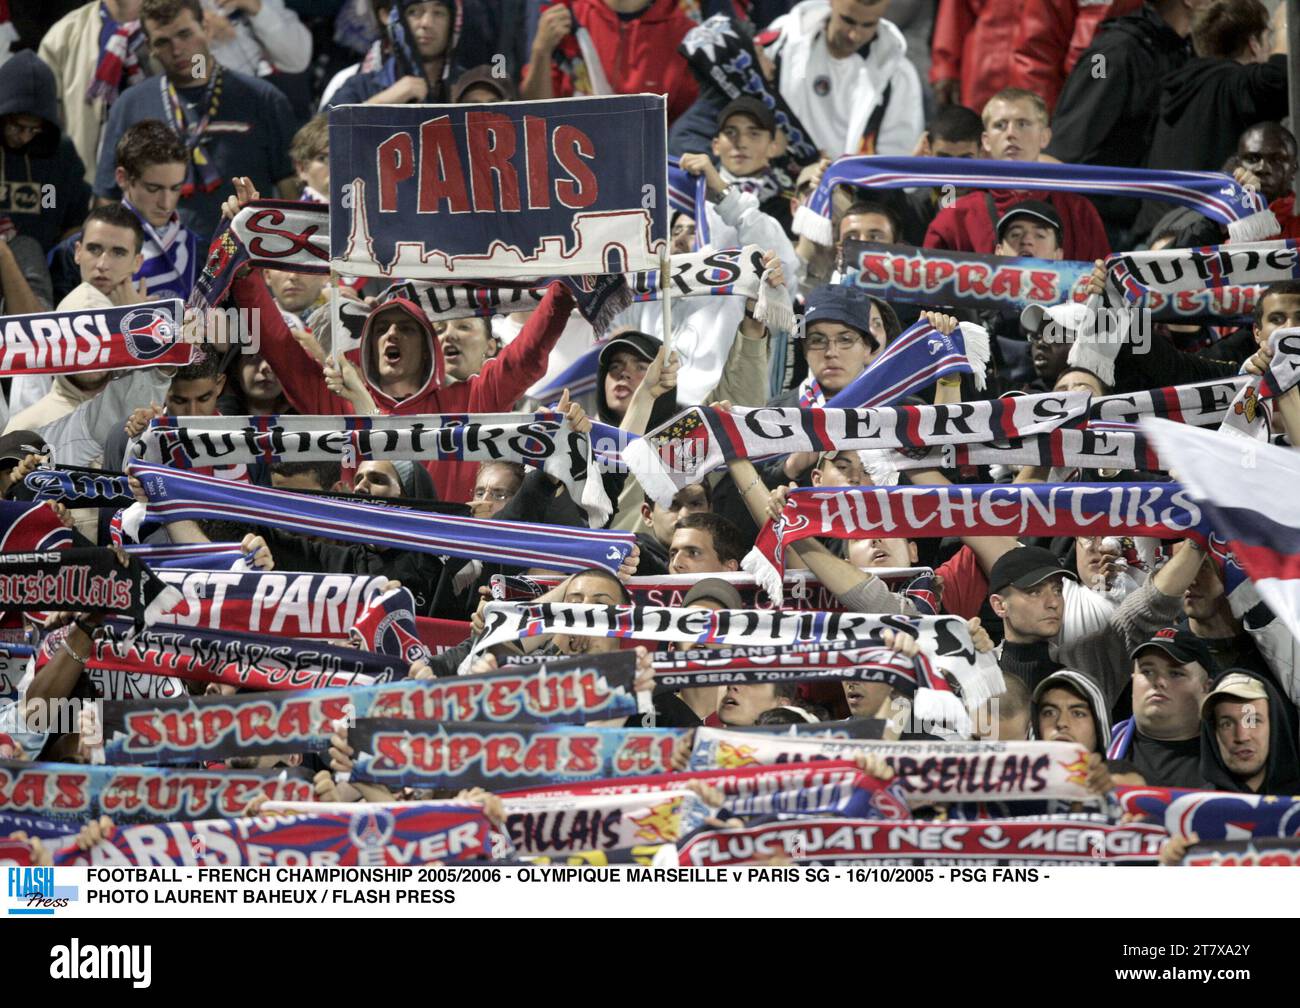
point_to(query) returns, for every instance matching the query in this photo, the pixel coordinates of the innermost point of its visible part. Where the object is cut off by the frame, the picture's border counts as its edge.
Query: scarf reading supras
(946, 639)
(175, 496)
(544, 441)
(915, 360)
(288, 235)
(118, 66)
(1162, 510)
(991, 282)
(694, 443)
(1212, 194)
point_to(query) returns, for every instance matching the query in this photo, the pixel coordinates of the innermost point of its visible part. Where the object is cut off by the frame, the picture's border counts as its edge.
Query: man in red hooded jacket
(636, 44)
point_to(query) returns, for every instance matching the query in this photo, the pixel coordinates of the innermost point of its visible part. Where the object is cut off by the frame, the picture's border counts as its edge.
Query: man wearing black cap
(1026, 591)
(1030, 228)
(1171, 677)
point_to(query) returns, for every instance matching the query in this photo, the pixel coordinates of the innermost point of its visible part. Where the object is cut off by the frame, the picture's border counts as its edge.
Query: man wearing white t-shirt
(844, 72)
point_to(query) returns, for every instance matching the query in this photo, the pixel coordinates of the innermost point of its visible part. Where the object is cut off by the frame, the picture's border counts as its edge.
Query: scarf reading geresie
(915, 360)
(946, 639)
(99, 339)
(1162, 510)
(290, 235)
(1242, 211)
(692, 444)
(176, 496)
(543, 440)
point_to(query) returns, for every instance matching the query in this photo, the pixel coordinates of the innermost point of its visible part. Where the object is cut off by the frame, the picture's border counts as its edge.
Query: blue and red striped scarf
(1217, 196)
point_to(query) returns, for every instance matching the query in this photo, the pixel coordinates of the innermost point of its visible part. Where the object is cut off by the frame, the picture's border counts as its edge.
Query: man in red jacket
(634, 43)
(402, 363)
(1015, 129)
(1052, 35)
(971, 52)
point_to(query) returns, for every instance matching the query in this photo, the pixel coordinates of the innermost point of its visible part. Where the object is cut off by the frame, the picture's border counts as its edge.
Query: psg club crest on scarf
(523, 189)
(148, 332)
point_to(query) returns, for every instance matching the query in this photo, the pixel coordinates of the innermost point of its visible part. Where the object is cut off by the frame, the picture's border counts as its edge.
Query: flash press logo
(75, 961)
(32, 893)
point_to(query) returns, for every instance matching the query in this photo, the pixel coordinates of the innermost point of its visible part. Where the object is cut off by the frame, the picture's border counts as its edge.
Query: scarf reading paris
(1162, 510)
(82, 580)
(945, 639)
(696, 442)
(176, 496)
(1212, 194)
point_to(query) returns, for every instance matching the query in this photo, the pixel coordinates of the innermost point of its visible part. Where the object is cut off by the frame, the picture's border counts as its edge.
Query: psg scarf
(82, 580)
(96, 339)
(387, 626)
(412, 834)
(1255, 853)
(694, 443)
(1139, 275)
(31, 527)
(994, 842)
(175, 496)
(436, 754)
(945, 638)
(80, 488)
(1068, 447)
(1162, 510)
(1008, 283)
(560, 824)
(76, 793)
(1218, 197)
(544, 441)
(267, 234)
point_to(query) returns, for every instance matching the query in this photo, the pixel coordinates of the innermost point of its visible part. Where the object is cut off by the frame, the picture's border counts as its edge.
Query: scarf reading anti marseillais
(175, 496)
(542, 440)
(1162, 510)
(1212, 194)
(694, 443)
(945, 638)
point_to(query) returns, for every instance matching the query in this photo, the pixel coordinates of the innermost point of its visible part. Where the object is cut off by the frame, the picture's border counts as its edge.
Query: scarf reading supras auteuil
(176, 496)
(1212, 194)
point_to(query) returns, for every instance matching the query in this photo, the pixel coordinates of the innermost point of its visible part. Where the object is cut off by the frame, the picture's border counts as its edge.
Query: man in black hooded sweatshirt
(1233, 82)
(1248, 742)
(43, 192)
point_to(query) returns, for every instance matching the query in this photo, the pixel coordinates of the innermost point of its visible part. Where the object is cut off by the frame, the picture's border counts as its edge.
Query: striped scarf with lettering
(1215, 195)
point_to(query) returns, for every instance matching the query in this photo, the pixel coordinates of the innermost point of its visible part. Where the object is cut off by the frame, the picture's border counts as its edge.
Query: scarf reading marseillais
(82, 580)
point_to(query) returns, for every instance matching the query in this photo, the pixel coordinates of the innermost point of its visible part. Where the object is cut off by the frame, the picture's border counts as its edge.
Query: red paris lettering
(491, 140)
(580, 189)
(396, 163)
(441, 176)
(537, 161)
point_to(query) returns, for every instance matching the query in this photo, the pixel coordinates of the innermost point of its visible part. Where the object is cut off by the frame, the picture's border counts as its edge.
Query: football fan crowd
(1088, 679)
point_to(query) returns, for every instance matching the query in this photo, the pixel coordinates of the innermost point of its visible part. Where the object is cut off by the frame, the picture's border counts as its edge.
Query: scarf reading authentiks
(544, 441)
(702, 439)
(946, 639)
(1162, 510)
(290, 235)
(1212, 194)
(175, 496)
(1172, 271)
(119, 62)
(913, 361)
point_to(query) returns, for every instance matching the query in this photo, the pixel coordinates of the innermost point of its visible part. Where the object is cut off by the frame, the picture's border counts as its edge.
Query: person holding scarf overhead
(422, 37)
(229, 123)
